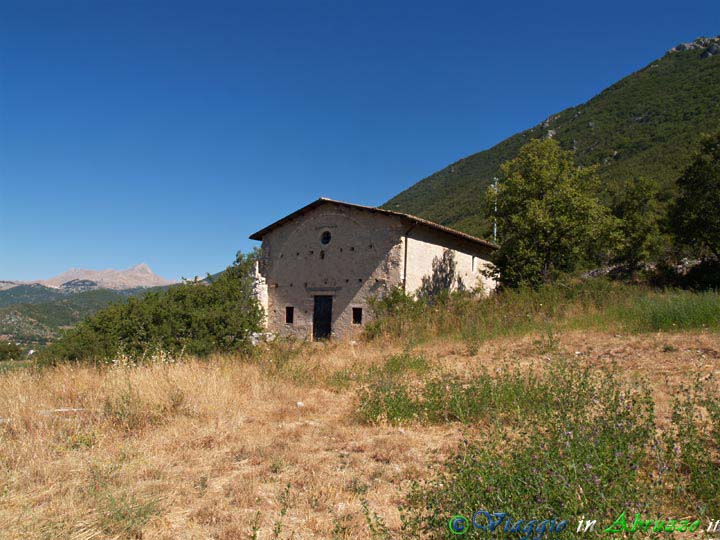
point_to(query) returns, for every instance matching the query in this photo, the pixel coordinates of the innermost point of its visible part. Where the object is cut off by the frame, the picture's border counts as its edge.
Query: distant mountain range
(78, 279)
(34, 313)
(647, 124)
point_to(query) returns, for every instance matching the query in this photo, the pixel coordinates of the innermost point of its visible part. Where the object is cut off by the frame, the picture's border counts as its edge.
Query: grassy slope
(646, 124)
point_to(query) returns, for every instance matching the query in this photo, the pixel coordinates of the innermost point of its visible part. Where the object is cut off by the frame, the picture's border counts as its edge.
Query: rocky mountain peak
(79, 279)
(142, 267)
(709, 46)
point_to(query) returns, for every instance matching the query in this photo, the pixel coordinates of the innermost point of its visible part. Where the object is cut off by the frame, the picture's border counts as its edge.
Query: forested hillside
(647, 124)
(34, 315)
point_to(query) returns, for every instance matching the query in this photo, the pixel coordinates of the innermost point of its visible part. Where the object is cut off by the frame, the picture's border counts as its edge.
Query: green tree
(548, 219)
(694, 217)
(9, 351)
(198, 317)
(639, 210)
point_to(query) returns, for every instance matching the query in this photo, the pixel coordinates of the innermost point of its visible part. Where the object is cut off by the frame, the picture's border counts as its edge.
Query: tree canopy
(548, 219)
(695, 216)
(640, 214)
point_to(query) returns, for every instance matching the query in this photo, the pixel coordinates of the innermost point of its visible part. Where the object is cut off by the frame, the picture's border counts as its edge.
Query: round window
(325, 237)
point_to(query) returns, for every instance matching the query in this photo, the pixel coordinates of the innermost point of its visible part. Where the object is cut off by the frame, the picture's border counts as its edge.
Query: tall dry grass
(219, 448)
(264, 447)
(80, 444)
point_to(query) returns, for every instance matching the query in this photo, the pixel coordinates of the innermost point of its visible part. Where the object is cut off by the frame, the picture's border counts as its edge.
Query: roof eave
(409, 217)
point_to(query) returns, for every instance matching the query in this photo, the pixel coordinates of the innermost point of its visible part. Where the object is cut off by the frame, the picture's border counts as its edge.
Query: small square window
(289, 314)
(357, 315)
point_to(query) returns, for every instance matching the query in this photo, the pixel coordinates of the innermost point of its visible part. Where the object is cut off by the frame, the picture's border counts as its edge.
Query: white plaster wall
(424, 245)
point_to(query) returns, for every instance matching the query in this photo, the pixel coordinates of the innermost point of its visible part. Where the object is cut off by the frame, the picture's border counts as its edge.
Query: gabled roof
(407, 217)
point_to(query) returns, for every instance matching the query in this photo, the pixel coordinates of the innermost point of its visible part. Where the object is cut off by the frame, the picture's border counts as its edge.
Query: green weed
(596, 304)
(671, 311)
(124, 515)
(692, 448)
(579, 453)
(449, 398)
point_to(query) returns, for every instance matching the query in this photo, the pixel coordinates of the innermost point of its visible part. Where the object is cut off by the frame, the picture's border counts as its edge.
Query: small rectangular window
(357, 315)
(289, 314)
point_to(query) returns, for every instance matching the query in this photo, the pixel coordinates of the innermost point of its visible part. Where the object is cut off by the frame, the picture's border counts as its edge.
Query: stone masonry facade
(320, 266)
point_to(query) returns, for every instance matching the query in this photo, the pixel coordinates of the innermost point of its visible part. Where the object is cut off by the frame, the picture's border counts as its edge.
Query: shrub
(392, 312)
(123, 515)
(9, 351)
(129, 409)
(692, 449)
(197, 318)
(581, 454)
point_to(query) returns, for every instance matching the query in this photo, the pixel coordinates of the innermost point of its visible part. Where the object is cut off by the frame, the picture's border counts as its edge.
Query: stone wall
(367, 254)
(362, 259)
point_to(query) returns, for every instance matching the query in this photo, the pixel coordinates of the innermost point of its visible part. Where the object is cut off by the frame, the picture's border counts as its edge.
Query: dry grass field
(231, 448)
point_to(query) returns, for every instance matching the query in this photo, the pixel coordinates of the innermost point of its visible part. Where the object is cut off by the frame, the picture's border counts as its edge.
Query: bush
(392, 312)
(130, 409)
(196, 318)
(702, 276)
(9, 351)
(692, 446)
(705, 275)
(579, 454)
(393, 368)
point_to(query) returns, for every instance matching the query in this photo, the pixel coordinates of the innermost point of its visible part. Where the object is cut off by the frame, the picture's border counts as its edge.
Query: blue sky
(167, 132)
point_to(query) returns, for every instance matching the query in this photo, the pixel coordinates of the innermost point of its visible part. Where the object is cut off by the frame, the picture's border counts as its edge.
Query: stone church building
(321, 264)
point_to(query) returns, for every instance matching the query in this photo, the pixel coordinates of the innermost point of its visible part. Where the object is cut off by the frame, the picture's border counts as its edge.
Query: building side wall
(362, 260)
(425, 245)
